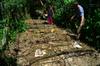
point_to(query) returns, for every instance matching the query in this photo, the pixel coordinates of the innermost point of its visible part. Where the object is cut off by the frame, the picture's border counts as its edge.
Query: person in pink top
(50, 15)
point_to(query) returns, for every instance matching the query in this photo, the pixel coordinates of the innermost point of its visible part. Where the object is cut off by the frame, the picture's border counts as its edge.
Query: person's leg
(49, 20)
(80, 27)
(72, 26)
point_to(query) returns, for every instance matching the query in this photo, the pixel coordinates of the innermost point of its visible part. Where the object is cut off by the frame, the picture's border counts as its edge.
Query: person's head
(76, 3)
(50, 6)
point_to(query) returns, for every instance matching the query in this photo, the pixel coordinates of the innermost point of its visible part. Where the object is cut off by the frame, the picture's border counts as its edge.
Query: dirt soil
(48, 45)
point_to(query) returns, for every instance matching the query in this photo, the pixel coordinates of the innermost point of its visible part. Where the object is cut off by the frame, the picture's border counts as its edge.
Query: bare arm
(72, 17)
(81, 24)
(41, 3)
(52, 11)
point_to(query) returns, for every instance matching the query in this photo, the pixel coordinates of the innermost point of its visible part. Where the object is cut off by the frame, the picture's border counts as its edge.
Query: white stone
(39, 53)
(70, 59)
(76, 45)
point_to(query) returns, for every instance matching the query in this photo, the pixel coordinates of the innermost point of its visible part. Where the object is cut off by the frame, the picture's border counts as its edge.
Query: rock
(64, 32)
(22, 62)
(52, 30)
(62, 56)
(51, 43)
(48, 45)
(76, 45)
(70, 59)
(39, 52)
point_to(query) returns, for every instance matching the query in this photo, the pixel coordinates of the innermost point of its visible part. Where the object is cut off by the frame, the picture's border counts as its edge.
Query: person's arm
(81, 24)
(52, 11)
(72, 17)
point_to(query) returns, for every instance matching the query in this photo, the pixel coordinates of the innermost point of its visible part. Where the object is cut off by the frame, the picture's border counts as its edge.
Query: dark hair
(76, 3)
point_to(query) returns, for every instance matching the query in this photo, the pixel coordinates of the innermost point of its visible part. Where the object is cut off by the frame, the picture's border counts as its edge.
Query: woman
(50, 15)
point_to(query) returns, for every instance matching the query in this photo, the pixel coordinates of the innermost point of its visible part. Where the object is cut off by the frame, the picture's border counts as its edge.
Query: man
(80, 16)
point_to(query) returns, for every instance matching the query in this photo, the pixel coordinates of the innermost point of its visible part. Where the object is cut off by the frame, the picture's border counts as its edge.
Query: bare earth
(48, 45)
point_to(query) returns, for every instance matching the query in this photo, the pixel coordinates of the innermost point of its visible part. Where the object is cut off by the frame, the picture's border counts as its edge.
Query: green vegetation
(14, 12)
(64, 11)
(7, 61)
(12, 15)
